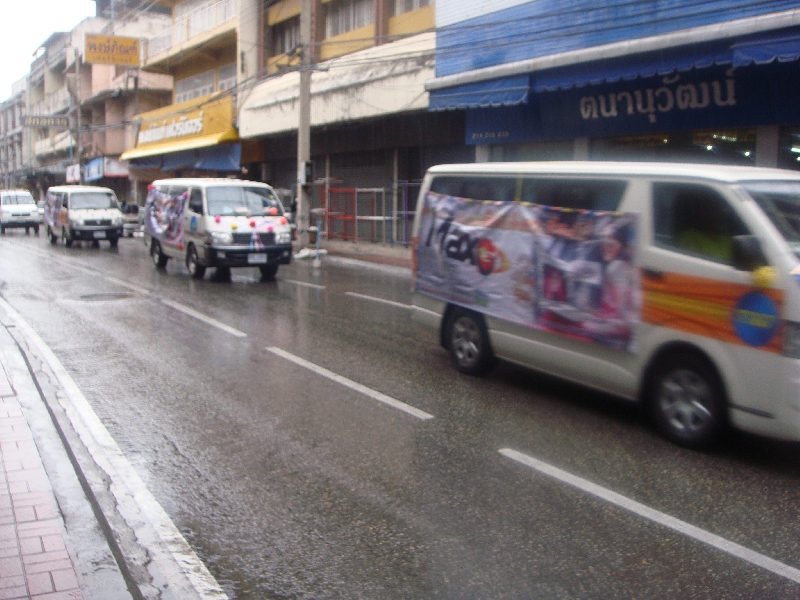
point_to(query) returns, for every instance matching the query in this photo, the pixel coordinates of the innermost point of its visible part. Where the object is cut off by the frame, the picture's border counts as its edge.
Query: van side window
(196, 201)
(574, 193)
(476, 188)
(695, 220)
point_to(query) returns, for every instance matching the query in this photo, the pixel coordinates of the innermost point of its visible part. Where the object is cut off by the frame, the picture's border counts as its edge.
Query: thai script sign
(701, 98)
(566, 271)
(672, 95)
(46, 121)
(203, 116)
(112, 50)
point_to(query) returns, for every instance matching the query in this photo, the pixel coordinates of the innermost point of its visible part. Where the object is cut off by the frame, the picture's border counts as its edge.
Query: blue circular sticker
(193, 224)
(756, 319)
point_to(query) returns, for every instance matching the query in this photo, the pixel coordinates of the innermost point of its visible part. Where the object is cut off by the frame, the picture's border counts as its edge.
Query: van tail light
(791, 339)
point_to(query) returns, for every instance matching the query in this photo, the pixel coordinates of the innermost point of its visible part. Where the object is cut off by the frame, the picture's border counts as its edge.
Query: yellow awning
(202, 141)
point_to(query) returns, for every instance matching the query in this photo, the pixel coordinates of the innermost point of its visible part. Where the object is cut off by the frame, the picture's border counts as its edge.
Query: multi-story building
(372, 136)
(710, 81)
(196, 133)
(97, 101)
(13, 138)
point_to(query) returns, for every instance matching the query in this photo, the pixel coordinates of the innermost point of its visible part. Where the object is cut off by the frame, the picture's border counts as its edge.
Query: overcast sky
(26, 24)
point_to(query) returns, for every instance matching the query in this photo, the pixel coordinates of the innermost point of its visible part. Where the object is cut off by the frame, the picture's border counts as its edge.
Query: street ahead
(310, 441)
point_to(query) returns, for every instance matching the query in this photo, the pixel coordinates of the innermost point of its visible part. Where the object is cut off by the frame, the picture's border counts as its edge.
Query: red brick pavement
(34, 559)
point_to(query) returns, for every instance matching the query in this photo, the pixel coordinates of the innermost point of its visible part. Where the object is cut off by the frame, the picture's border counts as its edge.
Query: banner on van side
(567, 271)
(164, 216)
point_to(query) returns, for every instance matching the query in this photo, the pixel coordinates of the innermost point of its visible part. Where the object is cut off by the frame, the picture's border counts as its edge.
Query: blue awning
(508, 91)
(761, 48)
(224, 157)
(783, 48)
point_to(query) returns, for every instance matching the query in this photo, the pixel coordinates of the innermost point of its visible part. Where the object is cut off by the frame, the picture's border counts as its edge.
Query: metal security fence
(372, 215)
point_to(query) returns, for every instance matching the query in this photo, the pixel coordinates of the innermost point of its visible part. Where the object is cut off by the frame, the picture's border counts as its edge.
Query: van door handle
(653, 273)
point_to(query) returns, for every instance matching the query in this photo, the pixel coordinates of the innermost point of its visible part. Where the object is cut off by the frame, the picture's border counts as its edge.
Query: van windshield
(97, 200)
(780, 201)
(239, 200)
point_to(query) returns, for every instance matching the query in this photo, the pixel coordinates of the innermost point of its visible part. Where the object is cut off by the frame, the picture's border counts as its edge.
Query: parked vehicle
(18, 209)
(88, 213)
(132, 222)
(674, 285)
(220, 223)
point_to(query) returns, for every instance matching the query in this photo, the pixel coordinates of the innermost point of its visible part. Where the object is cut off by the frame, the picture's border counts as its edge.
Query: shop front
(730, 100)
(193, 138)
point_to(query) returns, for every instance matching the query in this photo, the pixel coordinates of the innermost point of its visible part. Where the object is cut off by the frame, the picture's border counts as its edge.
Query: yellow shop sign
(192, 124)
(112, 50)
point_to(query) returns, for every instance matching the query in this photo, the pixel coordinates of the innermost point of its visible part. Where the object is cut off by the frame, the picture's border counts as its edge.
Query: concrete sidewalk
(38, 557)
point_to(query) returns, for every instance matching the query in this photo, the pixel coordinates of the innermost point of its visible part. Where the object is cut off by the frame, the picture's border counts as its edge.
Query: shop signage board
(704, 98)
(46, 121)
(112, 50)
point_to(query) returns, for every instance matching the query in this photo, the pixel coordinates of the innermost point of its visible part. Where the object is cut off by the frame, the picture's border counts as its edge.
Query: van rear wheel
(268, 272)
(159, 258)
(66, 239)
(468, 342)
(686, 401)
(53, 236)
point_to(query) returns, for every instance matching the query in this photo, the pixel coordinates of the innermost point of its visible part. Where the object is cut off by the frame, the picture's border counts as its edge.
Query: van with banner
(673, 285)
(219, 223)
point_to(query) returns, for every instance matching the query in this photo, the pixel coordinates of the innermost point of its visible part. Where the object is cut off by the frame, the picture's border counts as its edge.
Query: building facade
(195, 133)
(14, 147)
(714, 81)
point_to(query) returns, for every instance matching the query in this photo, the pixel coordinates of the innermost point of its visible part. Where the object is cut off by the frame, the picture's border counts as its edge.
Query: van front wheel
(468, 342)
(195, 270)
(686, 401)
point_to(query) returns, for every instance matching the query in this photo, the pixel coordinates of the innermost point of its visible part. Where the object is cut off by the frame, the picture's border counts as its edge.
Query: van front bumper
(238, 256)
(94, 233)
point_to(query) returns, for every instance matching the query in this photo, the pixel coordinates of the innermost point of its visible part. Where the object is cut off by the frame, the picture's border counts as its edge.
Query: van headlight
(76, 222)
(118, 222)
(285, 237)
(791, 339)
(222, 238)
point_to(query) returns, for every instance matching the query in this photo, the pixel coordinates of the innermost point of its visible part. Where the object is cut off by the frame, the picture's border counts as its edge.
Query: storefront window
(789, 148)
(735, 147)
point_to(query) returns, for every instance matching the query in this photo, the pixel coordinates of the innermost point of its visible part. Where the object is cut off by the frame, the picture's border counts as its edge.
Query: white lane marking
(124, 284)
(201, 317)
(304, 284)
(415, 412)
(136, 504)
(381, 300)
(656, 516)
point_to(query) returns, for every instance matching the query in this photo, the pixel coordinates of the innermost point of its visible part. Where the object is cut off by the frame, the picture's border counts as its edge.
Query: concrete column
(248, 45)
(482, 153)
(580, 149)
(767, 139)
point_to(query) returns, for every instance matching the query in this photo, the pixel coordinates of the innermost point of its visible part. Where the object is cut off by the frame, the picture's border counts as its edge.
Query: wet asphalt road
(291, 485)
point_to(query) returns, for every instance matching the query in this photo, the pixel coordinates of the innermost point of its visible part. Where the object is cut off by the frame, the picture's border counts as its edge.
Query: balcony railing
(204, 18)
(52, 103)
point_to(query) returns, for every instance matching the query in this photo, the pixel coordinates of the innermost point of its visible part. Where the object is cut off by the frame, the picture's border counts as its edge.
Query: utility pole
(78, 108)
(304, 125)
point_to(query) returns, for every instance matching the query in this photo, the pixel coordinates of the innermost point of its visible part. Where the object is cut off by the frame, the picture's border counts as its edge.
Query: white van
(83, 213)
(17, 209)
(219, 223)
(673, 285)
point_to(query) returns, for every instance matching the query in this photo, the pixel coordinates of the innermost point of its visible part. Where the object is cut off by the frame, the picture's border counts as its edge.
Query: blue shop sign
(92, 171)
(700, 98)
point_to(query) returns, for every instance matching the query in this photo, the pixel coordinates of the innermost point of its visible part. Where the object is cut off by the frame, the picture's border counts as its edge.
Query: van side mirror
(747, 253)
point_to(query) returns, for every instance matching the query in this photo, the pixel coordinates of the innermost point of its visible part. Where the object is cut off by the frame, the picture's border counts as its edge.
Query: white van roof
(79, 188)
(722, 173)
(209, 181)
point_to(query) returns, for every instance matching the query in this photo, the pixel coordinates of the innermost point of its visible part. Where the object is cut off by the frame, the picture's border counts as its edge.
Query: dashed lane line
(205, 319)
(656, 516)
(381, 300)
(406, 408)
(303, 284)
